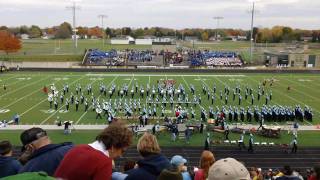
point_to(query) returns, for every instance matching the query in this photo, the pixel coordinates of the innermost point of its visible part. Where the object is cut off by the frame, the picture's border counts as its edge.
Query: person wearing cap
(178, 164)
(8, 165)
(39, 154)
(228, 169)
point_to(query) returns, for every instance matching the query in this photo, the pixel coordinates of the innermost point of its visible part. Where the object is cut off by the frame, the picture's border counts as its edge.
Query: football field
(24, 93)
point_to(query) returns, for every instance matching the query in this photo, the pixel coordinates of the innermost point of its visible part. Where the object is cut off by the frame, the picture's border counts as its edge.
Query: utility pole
(251, 33)
(73, 8)
(217, 18)
(102, 16)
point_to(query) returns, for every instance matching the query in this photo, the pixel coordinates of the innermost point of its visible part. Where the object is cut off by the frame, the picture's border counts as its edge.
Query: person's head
(148, 145)
(5, 148)
(287, 170)
(34, 138)
(206, 160)
(178, 162)
(116, 138)
(228, 169)
(316, 171)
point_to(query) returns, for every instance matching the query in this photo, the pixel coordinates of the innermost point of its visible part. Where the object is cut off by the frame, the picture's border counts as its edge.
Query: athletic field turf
(24, 93)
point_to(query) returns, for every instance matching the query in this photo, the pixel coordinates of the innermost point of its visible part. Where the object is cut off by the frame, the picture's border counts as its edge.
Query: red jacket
(85, 163)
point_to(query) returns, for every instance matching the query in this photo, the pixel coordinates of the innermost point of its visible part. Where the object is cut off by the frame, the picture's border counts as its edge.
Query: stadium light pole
(217, 18)
(73, 8)
(102, 16)
(251, 33)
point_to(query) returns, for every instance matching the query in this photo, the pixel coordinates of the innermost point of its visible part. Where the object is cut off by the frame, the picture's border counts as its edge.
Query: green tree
(64, 31)
(35, 32)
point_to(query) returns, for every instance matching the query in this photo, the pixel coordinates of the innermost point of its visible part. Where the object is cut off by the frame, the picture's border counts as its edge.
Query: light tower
(73, 8)
(217, 18)
(251, 33)
(102, 16)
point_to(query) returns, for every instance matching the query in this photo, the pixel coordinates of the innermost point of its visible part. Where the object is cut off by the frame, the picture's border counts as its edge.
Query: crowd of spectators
(214, 58)
(42, 158)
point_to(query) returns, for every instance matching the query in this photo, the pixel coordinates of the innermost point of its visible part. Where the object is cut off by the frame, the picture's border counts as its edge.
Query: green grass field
(63, 50)
(24, 92)
(24, 96)
(59, 50)
(306, 138)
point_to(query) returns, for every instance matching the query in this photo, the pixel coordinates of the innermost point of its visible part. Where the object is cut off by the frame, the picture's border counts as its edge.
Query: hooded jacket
(47, 158)
(149, 168)
(8, 166)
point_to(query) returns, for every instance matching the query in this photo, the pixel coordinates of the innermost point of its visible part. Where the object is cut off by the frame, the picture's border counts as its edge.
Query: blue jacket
(47, 158)
(9, 166)
(149, 168)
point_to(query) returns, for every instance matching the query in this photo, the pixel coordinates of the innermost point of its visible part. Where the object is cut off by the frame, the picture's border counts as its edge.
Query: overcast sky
(164, 13)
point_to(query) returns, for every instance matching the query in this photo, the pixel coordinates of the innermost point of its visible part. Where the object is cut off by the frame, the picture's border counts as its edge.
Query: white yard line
(189, 88)
(13, 76)
(45, 99)
(288, 96)
(301, 92)
(14, 102)
(97, 98)
(58, 109)
(161, 75)
(23, 87)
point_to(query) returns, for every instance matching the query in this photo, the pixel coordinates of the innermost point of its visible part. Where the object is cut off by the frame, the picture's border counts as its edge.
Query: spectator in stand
(8, 165)
(228, 169)
(94, 161)
(287, 174)
(153, 161)
(39, 154)
(206, 160)
(316, 173)
(178, 164)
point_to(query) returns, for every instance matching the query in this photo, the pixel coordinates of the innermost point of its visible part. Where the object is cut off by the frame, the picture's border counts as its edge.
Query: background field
(24, 92)
(62, 50)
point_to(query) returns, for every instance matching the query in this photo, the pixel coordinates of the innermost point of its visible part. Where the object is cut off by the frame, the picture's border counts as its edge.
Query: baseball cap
(178, 160)
(228, 169)
(30, 135)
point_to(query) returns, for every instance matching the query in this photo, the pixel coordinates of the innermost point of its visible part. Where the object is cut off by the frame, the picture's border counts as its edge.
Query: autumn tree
(95, 31)
(9, 43)
(204, 36)
(64, 31)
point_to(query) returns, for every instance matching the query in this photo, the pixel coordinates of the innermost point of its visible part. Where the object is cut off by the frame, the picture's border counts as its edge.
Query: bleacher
(215, 58)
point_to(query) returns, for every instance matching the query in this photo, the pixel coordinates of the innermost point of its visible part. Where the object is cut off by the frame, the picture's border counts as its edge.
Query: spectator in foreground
(153, 161)
(8, 165)
(39, 154)
(288, 174)
(94, 161)
(228, 169)
(178, 164)
(206, 160)
(316, 173)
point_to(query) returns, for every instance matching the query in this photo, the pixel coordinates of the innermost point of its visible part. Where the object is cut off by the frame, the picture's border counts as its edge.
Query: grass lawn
(24, 96)
(59, 50)
(24, 93)
(305, 138)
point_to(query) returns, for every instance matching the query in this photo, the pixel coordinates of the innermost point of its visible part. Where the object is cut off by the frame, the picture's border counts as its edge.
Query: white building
(123, 40)
(144, 41)
(24, 36)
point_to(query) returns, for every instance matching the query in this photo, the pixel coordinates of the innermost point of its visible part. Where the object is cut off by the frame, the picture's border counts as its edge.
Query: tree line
(275, 34)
